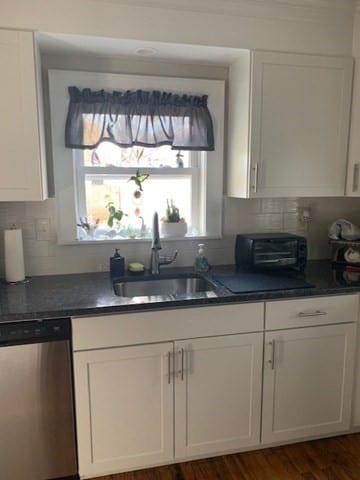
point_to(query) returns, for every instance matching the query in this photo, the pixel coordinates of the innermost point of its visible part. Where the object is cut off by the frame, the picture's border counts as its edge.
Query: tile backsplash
(44, 256)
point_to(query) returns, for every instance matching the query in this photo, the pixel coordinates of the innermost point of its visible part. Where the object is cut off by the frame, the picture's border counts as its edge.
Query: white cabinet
(355, 421)
(217, 394)
(353, 172)
(142, 405)
(308, 367)
(23, 175)
(124, 412)
(163, 386)
(288, 128)
(307, 382)
(125, 401)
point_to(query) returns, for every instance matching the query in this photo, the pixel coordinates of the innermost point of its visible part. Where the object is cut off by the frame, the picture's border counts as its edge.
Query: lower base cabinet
(124, 400)
(308, 377)
(145, 396)
(217, 394)
(127, 397)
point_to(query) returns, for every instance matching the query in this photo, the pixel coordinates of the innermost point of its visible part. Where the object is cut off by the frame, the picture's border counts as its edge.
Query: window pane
(102, 189)
(107, 153)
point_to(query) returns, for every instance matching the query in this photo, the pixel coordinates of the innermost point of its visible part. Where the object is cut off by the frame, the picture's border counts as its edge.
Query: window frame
(65, 168)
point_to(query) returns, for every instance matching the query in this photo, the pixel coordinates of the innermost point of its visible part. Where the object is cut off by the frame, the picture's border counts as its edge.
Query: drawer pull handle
(315, 313)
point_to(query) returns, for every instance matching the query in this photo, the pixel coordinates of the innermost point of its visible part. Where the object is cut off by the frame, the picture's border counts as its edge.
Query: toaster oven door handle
(311, 313)
(270, 260)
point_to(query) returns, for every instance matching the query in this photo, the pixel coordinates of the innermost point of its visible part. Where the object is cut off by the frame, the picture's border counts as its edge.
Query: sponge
(136, 267)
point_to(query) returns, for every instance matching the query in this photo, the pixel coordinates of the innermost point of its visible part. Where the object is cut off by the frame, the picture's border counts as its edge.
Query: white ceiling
(65, 44)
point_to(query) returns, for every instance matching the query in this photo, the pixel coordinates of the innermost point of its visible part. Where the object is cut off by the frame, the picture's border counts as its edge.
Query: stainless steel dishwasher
(37, 438)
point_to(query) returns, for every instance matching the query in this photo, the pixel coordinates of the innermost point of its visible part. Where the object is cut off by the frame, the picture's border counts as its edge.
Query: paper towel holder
(14, 256)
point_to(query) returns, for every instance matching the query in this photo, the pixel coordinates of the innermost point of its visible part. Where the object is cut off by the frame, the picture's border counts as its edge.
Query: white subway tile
(290, 205)
(272, 205)
(240, 216)
(268, 222)
(292, 221)
(36, 248)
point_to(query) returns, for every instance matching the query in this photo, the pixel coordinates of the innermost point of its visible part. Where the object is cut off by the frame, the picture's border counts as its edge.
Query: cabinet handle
(182, 363)
(355, 186)
(169, 367)
(272, 358)
(256, 172)
(314, 313)
(181, 371)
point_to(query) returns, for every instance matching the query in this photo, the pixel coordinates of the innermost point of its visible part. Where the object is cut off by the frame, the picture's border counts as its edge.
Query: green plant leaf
(118, 215)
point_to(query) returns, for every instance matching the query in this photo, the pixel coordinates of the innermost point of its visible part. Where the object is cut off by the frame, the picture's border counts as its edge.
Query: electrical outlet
(42, 226)
(304, 214)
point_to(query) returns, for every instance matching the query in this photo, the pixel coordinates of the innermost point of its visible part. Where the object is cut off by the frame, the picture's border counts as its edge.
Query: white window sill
(139, 240)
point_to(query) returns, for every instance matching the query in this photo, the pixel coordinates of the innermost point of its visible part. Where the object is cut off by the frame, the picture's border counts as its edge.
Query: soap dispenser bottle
(201, 264)
(117, 265)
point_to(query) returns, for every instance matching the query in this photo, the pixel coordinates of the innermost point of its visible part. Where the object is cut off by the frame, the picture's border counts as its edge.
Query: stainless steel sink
(176, 285)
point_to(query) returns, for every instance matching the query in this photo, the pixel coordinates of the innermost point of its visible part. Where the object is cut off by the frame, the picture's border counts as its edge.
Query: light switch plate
(42, 226)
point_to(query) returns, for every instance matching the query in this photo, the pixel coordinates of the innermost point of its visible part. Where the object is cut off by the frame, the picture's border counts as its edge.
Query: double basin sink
(163, 285)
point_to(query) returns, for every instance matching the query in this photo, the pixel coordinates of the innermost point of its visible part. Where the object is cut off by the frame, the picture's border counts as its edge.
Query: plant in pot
(172, 224)
(115, 215)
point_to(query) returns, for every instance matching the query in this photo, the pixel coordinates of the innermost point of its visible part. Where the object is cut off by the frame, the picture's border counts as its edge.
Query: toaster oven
(266, 251)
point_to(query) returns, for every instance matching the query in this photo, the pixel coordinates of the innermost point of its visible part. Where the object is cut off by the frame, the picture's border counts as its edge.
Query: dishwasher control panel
(35, 331)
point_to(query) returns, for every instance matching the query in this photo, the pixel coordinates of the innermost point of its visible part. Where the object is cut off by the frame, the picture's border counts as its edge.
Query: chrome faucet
(156, 259)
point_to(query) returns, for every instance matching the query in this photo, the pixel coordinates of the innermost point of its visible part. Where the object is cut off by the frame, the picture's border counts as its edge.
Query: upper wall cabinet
(288, 125)
(353, 174)
(22, 157)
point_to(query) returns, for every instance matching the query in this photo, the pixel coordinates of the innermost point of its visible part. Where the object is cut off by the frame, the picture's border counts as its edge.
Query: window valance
(141, 118)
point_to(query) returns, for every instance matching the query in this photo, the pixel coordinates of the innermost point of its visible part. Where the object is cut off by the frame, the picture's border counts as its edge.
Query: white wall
(323, 27)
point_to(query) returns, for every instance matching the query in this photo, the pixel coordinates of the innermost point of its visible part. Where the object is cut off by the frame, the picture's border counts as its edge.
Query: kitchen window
(89, 181)
(105, 176)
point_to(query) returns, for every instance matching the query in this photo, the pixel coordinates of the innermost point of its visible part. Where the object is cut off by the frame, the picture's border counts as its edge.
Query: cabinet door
(308, 375)
(217, 394)
(353, 173)
(22, 170)
(299, 124)
(124, 408)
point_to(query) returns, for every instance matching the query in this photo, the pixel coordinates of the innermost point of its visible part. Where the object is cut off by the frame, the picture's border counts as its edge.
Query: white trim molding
(311, 10)
(64, 174)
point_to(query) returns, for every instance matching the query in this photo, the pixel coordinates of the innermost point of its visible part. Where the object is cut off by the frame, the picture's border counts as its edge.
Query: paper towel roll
(14, 255)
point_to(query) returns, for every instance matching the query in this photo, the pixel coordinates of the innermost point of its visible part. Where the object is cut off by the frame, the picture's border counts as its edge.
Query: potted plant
(172, 224)
(114, 214)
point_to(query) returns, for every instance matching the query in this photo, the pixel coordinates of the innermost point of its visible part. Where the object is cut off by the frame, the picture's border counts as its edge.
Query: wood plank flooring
(336, 458)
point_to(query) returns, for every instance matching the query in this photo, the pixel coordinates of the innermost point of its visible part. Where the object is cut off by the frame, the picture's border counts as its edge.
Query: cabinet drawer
(160, 326)
(311, 311)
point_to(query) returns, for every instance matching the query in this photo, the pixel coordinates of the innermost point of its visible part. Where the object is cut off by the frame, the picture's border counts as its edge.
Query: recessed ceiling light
(145, 51)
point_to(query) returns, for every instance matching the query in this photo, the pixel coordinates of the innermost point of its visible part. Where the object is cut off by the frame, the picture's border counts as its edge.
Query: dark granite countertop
(92, 293)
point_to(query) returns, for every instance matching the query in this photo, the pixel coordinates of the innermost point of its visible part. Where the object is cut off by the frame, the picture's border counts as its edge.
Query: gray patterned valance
(142, 118)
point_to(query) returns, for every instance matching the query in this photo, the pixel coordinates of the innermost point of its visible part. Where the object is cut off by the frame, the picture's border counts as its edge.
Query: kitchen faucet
(156, 259)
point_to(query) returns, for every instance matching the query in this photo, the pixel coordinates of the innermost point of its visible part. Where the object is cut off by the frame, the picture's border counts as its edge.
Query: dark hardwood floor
(335, 458)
